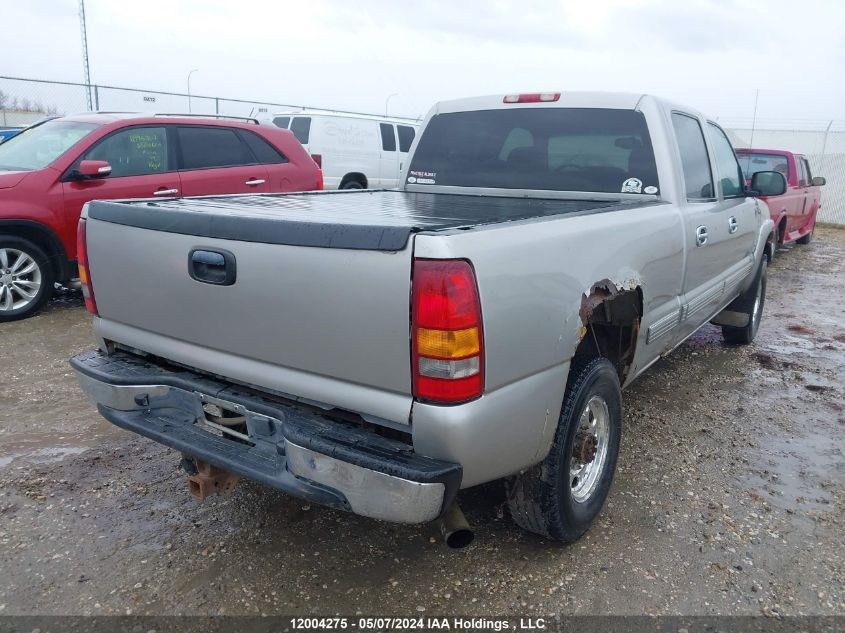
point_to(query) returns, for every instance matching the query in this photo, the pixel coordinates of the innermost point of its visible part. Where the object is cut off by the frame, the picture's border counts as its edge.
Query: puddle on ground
(797, 473)
(43, 448)
(44, 455)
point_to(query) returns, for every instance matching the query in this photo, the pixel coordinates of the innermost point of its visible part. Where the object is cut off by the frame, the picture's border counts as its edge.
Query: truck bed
(369, 220)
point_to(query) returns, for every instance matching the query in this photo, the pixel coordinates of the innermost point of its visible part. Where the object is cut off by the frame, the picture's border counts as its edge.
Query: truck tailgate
(315, 304)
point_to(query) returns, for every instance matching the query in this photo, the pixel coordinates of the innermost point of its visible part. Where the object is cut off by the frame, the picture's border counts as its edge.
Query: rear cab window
(208, 147)
(752, 162)
(282, 121)
(695, 161)
(554, 149)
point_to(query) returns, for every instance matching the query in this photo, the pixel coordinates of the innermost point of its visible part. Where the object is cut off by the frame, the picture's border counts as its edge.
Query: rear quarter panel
(300, 173)
(531, 277)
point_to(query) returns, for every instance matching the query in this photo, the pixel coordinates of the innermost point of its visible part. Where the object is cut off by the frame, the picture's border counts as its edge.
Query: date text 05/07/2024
(417, 624)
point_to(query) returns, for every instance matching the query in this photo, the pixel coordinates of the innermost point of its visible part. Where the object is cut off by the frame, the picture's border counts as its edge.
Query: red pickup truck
(50, 170)
(794, 212)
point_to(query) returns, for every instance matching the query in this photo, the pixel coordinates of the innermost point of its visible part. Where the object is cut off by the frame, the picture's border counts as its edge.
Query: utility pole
(85, 54)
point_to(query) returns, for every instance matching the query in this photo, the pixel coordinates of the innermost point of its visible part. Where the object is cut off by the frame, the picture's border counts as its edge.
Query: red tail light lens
(320, 186)
(84, 271)
(447, 338)
(532, 97)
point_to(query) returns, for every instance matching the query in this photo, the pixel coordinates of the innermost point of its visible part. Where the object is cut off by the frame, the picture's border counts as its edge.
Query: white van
(355, 151)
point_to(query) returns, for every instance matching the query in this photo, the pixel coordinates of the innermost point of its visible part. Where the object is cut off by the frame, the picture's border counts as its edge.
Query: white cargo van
(355, 151)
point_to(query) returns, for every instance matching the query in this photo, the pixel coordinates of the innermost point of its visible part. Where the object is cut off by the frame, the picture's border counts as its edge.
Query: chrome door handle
(165, 192)
(733, 225)
(253, 182)
(701, 235)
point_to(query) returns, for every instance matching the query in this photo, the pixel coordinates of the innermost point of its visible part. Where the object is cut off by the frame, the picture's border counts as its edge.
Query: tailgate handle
(212, 266)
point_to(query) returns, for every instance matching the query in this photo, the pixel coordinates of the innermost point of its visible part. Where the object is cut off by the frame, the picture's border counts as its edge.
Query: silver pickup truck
(377, 351)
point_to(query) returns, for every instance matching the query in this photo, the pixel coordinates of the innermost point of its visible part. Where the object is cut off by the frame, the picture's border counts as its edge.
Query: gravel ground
(728, 499)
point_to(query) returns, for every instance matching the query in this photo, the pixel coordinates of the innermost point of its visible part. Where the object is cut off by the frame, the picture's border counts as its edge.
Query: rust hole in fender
(610, 316)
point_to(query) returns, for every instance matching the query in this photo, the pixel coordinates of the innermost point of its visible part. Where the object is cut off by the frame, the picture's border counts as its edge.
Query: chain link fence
(23, 101)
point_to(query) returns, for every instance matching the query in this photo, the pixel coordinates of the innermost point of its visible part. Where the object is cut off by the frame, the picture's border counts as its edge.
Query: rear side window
(388, 137)
(263, 151)
(301, 128)
(695, 161)
(406, 137)
(282, 121)
(205, 147)
(751, 163)
(135, 151)
(730, 175)
(552, 149)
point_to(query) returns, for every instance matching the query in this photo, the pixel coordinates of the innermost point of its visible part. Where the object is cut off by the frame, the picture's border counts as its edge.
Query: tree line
(24, 104)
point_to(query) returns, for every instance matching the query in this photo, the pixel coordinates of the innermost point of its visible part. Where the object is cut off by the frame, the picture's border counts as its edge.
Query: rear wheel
(560, 497)
(352, 184)
(750, 302)
(26, 278)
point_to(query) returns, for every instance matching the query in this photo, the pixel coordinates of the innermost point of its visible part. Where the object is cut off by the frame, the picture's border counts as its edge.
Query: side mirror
(89, 169)
(818, 181)
(768, 183)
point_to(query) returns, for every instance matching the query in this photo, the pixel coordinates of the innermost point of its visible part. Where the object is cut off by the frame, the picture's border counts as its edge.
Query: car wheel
(750, 302)
(560, 497)
(26, 278)
(352, 184)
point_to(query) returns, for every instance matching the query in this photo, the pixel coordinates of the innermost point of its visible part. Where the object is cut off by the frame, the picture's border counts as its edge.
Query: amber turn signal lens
(447, 343)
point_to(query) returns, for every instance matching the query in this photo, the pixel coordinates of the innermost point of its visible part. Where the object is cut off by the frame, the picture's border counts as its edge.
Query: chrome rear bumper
(294, 449)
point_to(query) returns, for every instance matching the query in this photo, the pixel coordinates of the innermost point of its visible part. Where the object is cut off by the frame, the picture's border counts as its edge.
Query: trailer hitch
(205, 479)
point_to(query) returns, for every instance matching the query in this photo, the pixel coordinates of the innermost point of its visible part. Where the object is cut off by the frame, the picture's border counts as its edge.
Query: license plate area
(224, 419)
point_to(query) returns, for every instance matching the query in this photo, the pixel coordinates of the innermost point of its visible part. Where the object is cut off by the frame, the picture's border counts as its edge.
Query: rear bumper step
(298, 451)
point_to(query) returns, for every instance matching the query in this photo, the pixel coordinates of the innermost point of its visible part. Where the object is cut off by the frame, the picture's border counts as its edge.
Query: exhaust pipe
(455, 529)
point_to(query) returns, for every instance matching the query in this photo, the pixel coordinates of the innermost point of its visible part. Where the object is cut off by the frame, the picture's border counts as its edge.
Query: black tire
(748, 303)
(807, 238)
(541, 499)
(45, 275)
(352, 184)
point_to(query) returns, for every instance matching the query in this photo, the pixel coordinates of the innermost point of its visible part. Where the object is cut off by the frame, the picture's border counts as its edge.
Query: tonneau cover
(370, 220)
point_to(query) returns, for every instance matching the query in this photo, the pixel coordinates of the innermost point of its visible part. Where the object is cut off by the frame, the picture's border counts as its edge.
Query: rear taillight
(320, 180)
(84, 271)
(532, 97)
(447, 338)
(318, 158)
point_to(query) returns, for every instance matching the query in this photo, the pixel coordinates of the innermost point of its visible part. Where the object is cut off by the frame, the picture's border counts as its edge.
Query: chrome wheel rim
(758, 301)
(20, 279)
(589, 449)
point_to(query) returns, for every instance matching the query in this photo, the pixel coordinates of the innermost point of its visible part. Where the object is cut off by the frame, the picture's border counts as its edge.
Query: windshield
(37, 147)
(562, 149)
(752, 163)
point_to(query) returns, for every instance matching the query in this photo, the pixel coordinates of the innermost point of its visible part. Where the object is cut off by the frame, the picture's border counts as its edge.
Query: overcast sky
(353, 54)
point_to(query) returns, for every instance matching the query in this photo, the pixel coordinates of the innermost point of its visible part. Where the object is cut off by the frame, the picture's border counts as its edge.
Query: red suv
(793, 212)
(50, 170)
